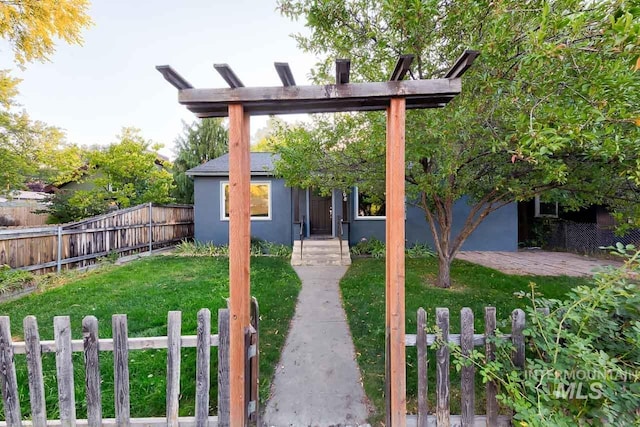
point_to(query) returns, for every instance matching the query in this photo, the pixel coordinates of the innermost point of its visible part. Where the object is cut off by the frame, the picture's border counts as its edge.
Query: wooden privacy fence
(467, 340)
(120, 344)
(78, 244)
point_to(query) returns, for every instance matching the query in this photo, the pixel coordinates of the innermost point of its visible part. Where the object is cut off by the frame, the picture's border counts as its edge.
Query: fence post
(59, 261)
(150, 226)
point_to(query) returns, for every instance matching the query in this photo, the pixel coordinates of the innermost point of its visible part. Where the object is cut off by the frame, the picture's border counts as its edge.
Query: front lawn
(146, 290)
(473, 286)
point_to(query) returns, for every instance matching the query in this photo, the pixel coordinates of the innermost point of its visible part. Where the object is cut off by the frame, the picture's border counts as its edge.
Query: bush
(583, 358)
(258, 248)
(14, 280)
(377, 249)
(372, 247)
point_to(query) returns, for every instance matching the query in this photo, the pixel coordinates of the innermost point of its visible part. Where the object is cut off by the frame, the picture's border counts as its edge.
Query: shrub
(372, 246)
(420, 250)
(377, 249)
(13, 280)
(258, 248)
(583, 358)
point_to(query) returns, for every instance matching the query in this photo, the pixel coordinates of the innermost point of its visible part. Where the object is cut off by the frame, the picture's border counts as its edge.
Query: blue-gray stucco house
(278, 211)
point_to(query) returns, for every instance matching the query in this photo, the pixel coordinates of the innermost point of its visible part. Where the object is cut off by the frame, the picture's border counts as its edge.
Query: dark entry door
(320, 214)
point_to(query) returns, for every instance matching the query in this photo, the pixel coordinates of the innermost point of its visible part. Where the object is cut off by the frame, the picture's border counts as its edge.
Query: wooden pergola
(239, 103)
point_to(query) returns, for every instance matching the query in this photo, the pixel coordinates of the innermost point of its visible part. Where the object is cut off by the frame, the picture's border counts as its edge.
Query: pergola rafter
(239, 103)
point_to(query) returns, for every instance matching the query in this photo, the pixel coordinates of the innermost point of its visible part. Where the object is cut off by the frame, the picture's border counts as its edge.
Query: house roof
(261, 165)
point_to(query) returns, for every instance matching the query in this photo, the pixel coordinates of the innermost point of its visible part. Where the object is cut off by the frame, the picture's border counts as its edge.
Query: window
(260, 200)
(545, 209)
(368, 207)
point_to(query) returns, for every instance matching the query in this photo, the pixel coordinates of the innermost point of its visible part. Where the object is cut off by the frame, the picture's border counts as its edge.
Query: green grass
(473, 286)
(146, 290)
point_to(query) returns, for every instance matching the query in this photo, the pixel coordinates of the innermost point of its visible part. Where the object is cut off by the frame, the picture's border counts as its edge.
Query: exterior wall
(209, 227)
(498, 232)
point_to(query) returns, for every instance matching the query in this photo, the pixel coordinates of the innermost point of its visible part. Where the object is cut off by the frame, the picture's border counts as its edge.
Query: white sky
(92, 91)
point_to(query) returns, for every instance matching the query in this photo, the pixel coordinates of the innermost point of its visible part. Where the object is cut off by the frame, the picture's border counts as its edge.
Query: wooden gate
(120, 345)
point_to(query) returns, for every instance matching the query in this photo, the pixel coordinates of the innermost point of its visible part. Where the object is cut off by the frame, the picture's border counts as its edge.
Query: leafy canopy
(200, 142)
(32, 26)
(550, 107)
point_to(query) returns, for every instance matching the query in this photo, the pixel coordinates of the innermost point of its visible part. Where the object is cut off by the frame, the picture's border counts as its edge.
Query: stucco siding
(498, 232)
(210, 227)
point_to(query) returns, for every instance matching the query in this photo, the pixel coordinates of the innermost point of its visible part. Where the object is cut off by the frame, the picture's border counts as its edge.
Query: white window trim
(253, 218)
(356, 206)
(537, 209)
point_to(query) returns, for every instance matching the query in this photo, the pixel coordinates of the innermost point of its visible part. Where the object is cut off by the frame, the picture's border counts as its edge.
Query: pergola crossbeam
(285, 74)
(402, 67)
(228, 75)
(343, 68)
(173, 77)
(462, 64)
(315, 99)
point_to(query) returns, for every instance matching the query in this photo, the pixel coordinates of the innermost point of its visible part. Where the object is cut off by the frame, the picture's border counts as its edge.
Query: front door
(320, 214)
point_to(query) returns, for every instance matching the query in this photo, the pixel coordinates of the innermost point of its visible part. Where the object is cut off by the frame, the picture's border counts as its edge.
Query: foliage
(123, 174)
(31, 26)
(13, 280)
(146, 290)
(196, 248)
(372, 246)
(473, 286)
(377, 249)
(31, 149)
(584, 355)
(550, 107)
(130, 171)
(200, 142)
(258, 248)
(69, 206)
(420, 250)
(266, 137)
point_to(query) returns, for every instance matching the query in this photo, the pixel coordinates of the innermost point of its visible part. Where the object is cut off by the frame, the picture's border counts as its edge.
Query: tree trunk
(444, 272)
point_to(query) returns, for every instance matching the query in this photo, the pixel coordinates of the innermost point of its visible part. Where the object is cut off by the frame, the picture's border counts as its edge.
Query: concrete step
(320, 252)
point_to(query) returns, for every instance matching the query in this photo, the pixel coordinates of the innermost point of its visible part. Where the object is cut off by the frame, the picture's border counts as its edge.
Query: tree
(130, 171)
(26, 147)
(265, 137)
(31, 26)
(200, 142)
(126, 173)
(550, 107)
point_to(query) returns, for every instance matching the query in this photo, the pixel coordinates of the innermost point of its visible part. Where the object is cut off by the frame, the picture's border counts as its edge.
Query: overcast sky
(93, 90)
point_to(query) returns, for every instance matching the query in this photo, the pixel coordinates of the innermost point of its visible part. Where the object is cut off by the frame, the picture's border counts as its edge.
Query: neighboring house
(18, 209)
(277, 211)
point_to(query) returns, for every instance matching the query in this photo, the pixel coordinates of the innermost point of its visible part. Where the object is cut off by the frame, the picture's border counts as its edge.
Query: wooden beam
(462, 64)
(395, 266)
(173, 77)
(343, 67)
(228, 75)
(312, 99)
(402, 67)
(284, 72)
(239, 241)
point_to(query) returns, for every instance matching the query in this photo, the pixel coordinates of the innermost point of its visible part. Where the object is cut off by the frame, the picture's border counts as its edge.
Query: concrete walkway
(539, 263)
(317, 382)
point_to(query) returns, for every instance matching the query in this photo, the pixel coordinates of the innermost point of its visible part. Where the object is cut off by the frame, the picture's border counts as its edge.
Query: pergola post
(395, 274)
(239, 258)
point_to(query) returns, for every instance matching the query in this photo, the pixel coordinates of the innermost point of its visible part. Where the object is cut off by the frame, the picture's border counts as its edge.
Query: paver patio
(538, 263)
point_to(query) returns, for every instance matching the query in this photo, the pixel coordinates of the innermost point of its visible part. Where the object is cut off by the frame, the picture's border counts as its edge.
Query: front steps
(320, 252)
